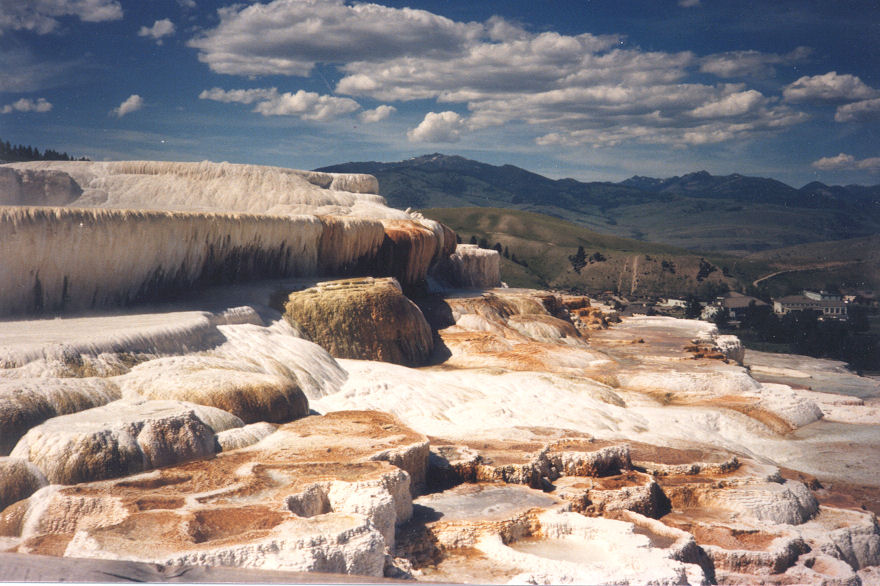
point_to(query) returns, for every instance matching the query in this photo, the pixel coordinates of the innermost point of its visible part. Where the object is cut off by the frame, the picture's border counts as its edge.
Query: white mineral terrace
(124, 232)
(537, 443)
(180, 353)
(194, 187)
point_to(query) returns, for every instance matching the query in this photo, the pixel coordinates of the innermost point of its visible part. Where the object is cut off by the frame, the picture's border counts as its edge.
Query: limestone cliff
(139, 230)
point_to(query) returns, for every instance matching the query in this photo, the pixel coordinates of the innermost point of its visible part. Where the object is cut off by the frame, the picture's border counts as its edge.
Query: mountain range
(732, 214)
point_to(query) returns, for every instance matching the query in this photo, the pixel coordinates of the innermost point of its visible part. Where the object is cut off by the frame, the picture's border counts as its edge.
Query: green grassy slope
(543, 246)
(852, 263)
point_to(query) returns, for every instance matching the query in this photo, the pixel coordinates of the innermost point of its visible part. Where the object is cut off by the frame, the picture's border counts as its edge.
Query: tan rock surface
(19, 479)
(245, 507)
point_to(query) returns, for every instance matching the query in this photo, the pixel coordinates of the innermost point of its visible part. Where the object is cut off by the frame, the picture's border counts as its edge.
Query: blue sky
(590, 89)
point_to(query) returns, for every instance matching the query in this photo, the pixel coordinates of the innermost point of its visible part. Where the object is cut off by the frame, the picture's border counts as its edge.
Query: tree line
(804, 333)
(20, 153)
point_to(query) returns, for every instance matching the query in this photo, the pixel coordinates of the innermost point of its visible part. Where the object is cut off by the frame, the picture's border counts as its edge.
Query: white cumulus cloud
(501, 29)
(845, 162)
(160, 28)
(569, 88)
(131, 104)
(377, 114)
(750, 63)
(731, 105)
(830, 87)
(307, 105)
(287, 37)
(271, 102)
(27, 105)
(41, 16)
(239, 96)
(438, 127)
(858, 111)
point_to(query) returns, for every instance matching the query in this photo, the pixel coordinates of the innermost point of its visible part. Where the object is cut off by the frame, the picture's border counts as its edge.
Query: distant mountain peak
(437, 157)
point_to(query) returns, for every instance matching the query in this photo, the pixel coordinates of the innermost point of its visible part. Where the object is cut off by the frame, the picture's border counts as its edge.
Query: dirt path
(826, 265)
(771, 275)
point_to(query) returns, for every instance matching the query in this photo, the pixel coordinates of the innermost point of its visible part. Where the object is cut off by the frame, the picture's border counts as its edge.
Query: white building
(830, 305)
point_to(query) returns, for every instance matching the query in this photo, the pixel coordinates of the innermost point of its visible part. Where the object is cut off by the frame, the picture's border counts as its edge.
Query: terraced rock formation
(465, 435)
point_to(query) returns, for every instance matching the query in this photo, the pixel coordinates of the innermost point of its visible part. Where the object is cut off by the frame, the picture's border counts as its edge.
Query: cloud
(731, 105)
(160, 28)
(377, 115)
(750, 63)
(288, 37)
(442, 127)
(501, 29)
(238, 96)
(845, 162)
(830, 87)
(27, 105)
(537, 63)
(42, 16)
(578, 89)
(688, 3)
(131, 104)
(187, 3)
(858, 111)
(571, 89)
(270, 102)
(307, 105)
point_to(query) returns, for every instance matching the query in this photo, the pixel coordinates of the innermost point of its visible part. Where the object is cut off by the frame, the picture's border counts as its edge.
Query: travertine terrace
(325, 384)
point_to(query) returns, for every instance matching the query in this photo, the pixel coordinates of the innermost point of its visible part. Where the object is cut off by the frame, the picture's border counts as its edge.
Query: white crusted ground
(201, 187)
(648, 391)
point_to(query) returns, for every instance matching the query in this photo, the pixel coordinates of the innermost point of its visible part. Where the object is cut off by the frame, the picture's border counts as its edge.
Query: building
(670, 303)
(736, 304)
(830, 305)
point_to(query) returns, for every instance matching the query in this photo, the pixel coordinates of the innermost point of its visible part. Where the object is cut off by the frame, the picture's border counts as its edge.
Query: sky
(597, 90)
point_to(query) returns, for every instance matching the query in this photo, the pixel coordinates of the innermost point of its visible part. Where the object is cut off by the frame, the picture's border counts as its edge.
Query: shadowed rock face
(49, 188)
(367, 319)
(18, 480)
(407, 251)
